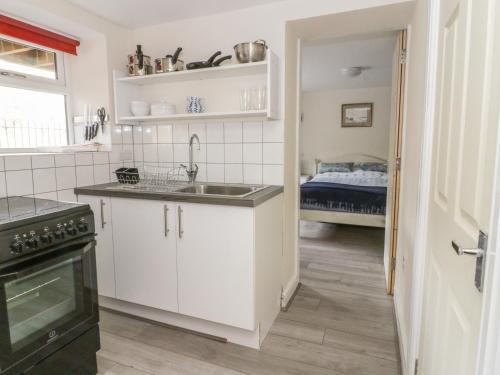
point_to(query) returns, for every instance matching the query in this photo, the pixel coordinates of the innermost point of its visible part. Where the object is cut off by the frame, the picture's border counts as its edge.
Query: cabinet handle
(102, 214)
(165, 214)
(179, 212)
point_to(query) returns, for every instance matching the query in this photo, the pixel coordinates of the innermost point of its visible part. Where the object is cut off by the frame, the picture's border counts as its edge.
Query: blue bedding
(343, 198)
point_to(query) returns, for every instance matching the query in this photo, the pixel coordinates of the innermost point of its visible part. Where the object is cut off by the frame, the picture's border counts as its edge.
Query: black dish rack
(127, 175)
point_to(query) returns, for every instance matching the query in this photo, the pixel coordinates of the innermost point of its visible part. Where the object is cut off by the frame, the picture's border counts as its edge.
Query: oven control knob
(82, 227)
(33, 242)
(59, 233)
(17, 246)
(46, 237)
(71, 230)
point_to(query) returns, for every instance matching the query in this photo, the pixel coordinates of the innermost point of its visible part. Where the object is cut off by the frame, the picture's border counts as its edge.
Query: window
(33, 96)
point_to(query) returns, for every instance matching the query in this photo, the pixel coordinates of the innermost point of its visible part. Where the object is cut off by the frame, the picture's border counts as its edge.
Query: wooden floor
(340, 322)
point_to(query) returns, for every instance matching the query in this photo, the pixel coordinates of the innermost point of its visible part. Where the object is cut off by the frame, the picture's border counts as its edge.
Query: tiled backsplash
(233, 152)
(237, 152)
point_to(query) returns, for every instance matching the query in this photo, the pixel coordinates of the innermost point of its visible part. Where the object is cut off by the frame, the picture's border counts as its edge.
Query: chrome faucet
(192, 170)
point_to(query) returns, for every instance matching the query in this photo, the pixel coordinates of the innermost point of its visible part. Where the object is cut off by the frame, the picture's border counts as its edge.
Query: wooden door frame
(488, 361)
(398, 150)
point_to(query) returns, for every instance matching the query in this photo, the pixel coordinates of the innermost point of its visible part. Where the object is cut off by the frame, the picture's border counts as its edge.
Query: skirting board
(289, 291)
(232, 334)
(343, 218)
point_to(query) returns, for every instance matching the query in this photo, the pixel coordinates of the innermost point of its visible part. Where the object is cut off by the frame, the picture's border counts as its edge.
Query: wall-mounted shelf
(219, 86)
(198, 116)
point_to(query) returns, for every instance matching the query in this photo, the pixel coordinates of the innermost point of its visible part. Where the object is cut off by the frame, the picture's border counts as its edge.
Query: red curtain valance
(33, 34)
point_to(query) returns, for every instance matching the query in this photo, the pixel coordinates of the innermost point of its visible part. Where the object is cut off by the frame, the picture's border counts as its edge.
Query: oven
(47, 300)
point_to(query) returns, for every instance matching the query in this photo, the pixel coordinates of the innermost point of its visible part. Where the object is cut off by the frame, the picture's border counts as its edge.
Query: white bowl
(162, 108)
(139, 108)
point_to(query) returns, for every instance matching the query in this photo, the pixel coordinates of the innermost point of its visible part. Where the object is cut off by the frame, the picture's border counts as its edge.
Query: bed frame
(349, 218)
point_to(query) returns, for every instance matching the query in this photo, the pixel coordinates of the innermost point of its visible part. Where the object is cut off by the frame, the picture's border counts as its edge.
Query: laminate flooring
(340, 322)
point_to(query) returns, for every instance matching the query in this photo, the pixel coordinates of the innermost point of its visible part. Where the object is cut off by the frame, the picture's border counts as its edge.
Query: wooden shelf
(196, 116)
(223, 71)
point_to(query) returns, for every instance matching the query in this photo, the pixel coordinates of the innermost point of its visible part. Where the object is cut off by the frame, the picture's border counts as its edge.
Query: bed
(347, 192)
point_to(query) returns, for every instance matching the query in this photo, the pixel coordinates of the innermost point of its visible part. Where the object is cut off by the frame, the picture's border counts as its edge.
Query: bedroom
(349, 155)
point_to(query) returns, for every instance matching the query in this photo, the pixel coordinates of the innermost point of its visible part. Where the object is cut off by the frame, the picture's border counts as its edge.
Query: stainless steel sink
(223, 190)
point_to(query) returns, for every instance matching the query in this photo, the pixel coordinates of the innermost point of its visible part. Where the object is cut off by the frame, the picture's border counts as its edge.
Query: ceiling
(137, 13)
(322, 62)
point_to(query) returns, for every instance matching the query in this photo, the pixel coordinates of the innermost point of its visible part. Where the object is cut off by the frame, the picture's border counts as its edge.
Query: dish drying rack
(153, 177)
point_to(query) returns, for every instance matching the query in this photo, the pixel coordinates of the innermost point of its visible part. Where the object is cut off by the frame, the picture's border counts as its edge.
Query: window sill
(70, 149)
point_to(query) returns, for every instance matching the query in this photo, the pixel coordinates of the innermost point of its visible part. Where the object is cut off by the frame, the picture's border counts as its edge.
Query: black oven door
(46, 302)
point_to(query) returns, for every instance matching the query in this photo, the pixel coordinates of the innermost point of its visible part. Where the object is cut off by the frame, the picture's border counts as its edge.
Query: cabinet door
(215, 260)
(145, 252)
(101, 206)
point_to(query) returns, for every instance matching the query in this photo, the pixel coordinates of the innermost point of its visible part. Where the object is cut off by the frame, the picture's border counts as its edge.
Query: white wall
(321, 133)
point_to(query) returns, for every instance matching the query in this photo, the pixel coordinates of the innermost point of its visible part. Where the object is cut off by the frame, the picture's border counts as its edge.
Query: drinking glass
(245, 99)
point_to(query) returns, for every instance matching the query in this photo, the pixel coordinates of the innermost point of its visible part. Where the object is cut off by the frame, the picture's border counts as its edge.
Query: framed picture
(357, 115)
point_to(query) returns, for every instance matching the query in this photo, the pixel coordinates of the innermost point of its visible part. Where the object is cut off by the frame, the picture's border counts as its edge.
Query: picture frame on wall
(357, 115)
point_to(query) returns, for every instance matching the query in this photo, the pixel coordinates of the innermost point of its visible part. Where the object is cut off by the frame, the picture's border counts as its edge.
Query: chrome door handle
(479, 253)
(165, 216)
(102, 214)
(179, 213)
(467, 251)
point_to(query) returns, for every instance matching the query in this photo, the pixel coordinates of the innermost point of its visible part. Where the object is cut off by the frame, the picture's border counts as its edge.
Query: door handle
(479, 253)
(102, 214)
(179, 213)
(165, 216)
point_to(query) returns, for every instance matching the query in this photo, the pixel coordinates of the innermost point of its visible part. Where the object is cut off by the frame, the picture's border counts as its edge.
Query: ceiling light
(352, 71)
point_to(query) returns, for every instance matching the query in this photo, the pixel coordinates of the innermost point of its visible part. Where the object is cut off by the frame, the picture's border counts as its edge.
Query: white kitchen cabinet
(101, 206)
(145, 252)
(215, 263)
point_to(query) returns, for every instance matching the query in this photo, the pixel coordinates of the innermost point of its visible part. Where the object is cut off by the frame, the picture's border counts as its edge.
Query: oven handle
(7, 276)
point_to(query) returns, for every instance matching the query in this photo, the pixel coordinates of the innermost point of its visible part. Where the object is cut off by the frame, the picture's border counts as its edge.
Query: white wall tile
(2, 163)
(215, 153)
(84, 175)
(165, 153)
(252, 173)
(233, 173)
(233, 153)
(67, 195)
(181, 133)
(116, 135)
(65, 160)
(42, 161)
(49, 195)
(215, 132)
(199, 154)
(138, 152)
(272, 174)
(273, 153)
(19, 182)
(202, 172)
(127, 137)
(150, 152)
(66, 178)
(233, 132)
(115, 154)
(252, 132)
(14, 163)
(103, 157)
(112, 168)
(252, 153)
(149, 134)
(3, 185)
(84, 158)
(165, 134)
(127, 154)
(215, 172)
(272, 131)
(181, 153)
(199, 130)
(137, 134)
(44, 180)
(101, 174)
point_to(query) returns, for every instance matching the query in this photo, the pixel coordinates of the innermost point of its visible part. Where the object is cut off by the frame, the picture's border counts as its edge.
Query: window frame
(34, 83)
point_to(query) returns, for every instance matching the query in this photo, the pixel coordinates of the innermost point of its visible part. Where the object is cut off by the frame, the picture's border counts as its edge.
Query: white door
(145, 252)
(466, 122)
(101, 206)
(215, 255)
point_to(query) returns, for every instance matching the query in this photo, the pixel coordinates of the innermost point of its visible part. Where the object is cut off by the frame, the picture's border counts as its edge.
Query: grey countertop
(114, 190)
